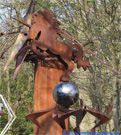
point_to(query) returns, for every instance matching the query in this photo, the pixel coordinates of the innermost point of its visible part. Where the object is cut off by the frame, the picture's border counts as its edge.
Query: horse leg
(68, 71)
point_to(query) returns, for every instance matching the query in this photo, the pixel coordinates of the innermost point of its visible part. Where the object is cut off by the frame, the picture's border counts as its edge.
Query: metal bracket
(11, 113)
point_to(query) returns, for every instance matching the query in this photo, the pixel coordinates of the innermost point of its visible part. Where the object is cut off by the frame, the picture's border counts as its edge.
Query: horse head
(44, 28)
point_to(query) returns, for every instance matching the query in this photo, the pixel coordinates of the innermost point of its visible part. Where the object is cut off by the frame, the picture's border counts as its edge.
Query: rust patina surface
(59, 115)
(45, 80)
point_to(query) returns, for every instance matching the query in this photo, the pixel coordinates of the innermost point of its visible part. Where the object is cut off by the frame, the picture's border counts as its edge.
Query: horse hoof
(65, 79)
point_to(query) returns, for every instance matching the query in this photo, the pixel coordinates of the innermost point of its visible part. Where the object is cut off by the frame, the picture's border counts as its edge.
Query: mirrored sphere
(65, 94)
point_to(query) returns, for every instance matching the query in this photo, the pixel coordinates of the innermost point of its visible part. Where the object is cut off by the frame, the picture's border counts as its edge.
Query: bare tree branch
(89, 51)
(8, 33)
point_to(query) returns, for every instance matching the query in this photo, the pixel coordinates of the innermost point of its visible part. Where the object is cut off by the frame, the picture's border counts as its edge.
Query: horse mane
(46, 17)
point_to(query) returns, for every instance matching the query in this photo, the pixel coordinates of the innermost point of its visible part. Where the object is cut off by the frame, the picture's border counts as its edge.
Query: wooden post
(45, 81)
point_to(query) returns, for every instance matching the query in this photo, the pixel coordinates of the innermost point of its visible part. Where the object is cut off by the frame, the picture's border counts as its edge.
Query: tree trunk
(45, 81)
(116, 104)
(120, 70)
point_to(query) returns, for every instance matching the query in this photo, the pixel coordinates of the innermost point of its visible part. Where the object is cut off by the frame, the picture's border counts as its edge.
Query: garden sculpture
(55, 60)
(43, 39)
(43, 34)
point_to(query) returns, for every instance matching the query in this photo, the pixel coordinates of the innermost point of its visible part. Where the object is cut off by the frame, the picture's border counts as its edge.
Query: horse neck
(46, 41)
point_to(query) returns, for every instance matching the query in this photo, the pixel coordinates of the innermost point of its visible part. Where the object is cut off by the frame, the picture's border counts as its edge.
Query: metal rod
(11, 113)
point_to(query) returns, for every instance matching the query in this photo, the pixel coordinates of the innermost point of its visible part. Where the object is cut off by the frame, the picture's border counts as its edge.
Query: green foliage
(91, 0)
(112, 1)
(21, 93)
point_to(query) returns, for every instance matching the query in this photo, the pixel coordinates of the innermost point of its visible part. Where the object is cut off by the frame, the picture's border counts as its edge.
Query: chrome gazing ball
(65, 94)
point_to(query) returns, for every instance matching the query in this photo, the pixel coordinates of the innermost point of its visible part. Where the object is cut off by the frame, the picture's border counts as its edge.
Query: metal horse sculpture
(42, 37)
(43, 34)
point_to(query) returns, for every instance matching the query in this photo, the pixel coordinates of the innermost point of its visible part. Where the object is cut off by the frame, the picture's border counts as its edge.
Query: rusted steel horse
(43, 33)
(43, 36)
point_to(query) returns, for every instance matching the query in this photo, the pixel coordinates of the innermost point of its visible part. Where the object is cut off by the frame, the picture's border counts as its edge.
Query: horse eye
(38, 35)
(25, 34)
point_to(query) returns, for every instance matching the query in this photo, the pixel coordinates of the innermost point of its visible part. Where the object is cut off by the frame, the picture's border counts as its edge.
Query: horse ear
(22, 22)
